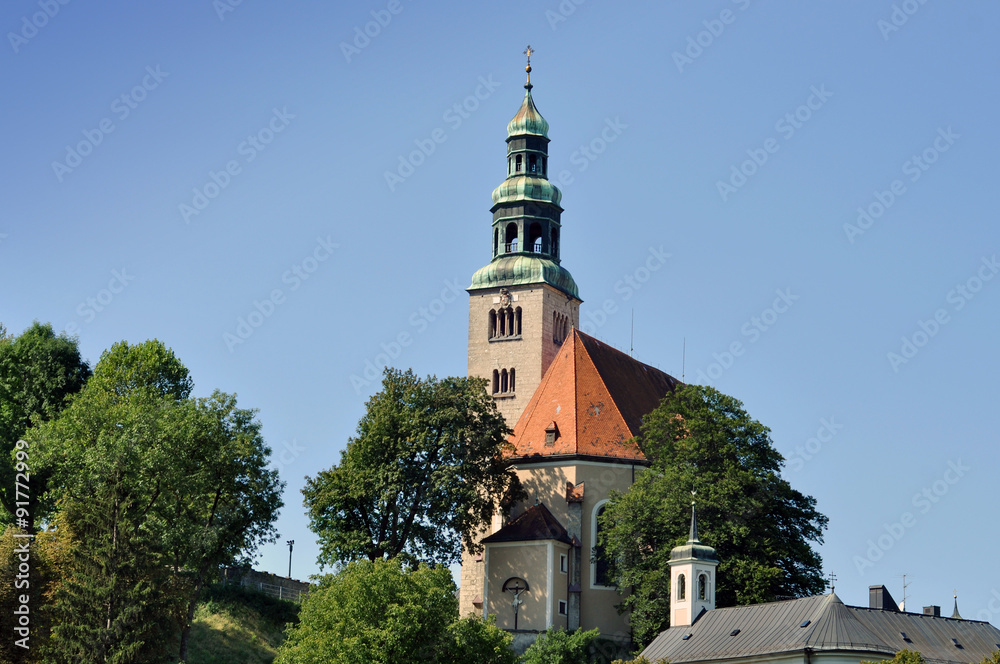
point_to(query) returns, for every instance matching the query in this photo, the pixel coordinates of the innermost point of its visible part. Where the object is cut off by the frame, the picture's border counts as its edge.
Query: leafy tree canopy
(148, 480)
(425, 471)
(38, 371)
(382, 611)
(557, 646)
(902, 657)
(701, 440)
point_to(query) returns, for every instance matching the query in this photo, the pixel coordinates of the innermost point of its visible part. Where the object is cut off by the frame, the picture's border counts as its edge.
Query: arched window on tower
(517, 322)
(512, 380)
(681, 587)
(503, 381)
(493, 324)
(501, 324)
(600, 563)
(510, 238)
(702, 587)
(554, 245)
(560, 328)
(532, 164)
(517, 164)
(535, 237)
(496, 381)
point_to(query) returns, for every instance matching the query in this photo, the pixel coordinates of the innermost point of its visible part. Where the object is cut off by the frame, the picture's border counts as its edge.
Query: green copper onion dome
(528, 120)
(520, 269)
(526, 188)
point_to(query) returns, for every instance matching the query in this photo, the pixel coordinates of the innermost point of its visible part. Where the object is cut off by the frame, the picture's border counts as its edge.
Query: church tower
(523, 304)
(692, 578)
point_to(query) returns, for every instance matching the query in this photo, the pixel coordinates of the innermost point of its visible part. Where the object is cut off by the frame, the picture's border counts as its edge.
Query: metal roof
(528, 120)
(536, 523)
(829, 625)
(524, 269)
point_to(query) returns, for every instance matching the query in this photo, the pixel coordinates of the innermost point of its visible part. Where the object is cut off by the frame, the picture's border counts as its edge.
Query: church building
(573, 402)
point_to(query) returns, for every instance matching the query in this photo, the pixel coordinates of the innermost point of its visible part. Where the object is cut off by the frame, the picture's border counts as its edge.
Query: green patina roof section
(528, 120)
(524, 269)
(526, 188)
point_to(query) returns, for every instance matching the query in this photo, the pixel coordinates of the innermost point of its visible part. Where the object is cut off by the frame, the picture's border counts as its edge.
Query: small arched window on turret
(554, 246)
(681, 587)
(702, 587)
(510, 238)
(517, 164)
(496, 241)
(510, 164)
(535, 237)
(544, 165)
(532, 164)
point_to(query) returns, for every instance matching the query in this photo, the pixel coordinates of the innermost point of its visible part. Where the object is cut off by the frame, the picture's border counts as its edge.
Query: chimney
(932, 611)
(879, 598)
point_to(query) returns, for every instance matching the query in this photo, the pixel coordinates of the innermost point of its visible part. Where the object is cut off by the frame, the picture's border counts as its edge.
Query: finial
(955, 614)
(693, 536)
(528, 51)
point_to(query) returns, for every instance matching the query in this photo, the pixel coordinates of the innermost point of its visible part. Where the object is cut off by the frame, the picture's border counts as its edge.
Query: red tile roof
(596, 396)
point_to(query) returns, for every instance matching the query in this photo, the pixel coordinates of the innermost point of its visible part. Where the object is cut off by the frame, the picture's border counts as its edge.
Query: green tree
(701, 440)
(902, 657)
(110, 464)
(382, 611)
(226, 500)
(426, 470)
(48, 558)
(38, 371)
(557, 646)
(158, 490)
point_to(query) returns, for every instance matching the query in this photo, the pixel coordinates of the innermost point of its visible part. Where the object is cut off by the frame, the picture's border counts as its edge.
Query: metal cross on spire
(528, 51)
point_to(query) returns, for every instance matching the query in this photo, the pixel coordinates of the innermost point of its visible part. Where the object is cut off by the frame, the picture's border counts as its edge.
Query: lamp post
(290, 543)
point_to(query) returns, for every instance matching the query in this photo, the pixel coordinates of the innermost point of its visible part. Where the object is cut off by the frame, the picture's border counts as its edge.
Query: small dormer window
(551, 433)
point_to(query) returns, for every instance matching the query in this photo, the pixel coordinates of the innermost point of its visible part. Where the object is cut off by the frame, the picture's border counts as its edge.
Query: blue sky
(822, 176)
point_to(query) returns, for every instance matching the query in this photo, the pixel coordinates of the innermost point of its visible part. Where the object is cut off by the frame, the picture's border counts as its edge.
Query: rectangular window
(562, 607)
(563, 563)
